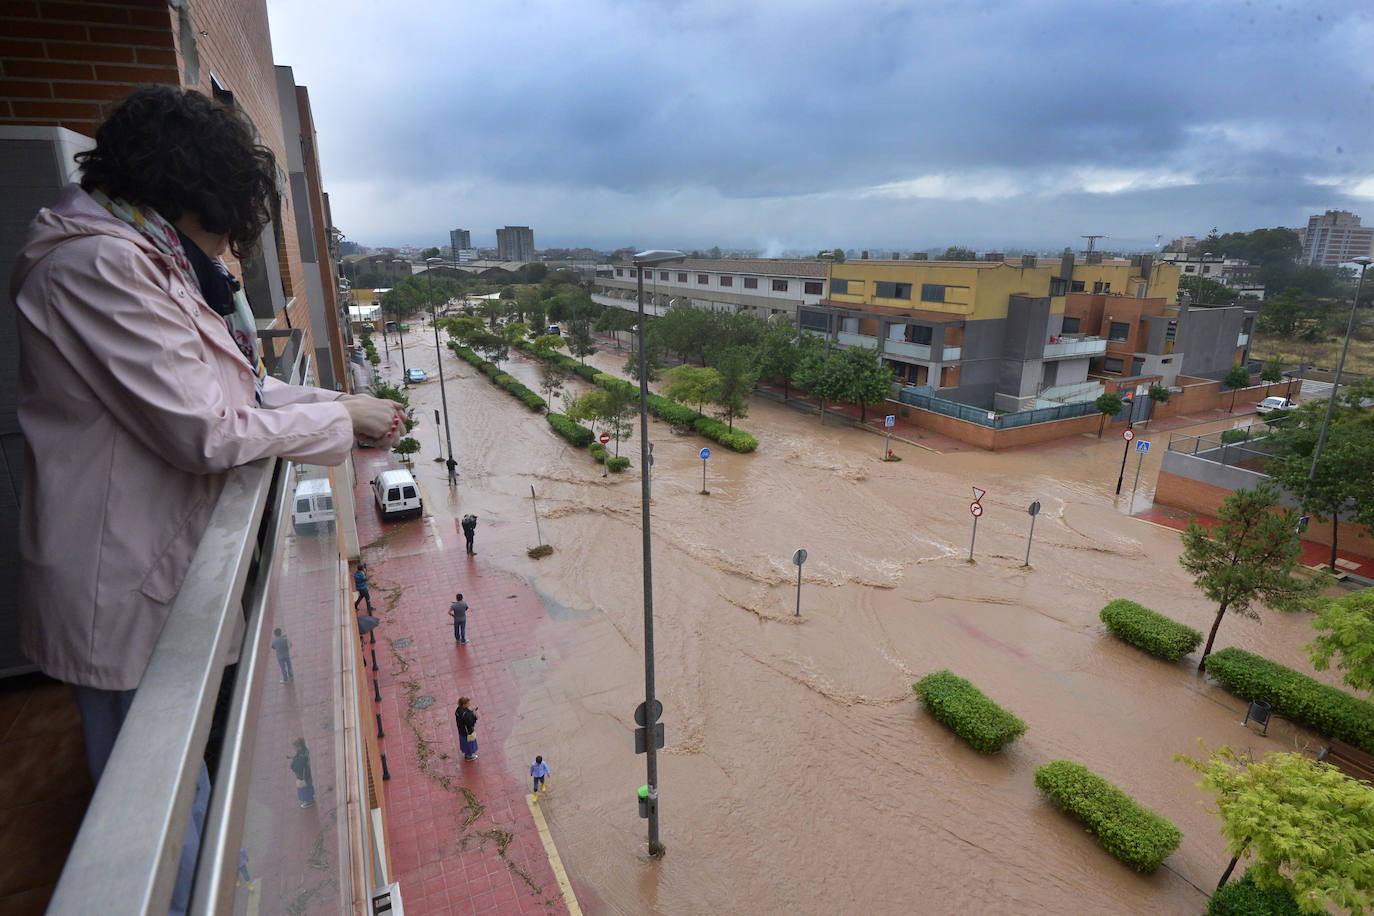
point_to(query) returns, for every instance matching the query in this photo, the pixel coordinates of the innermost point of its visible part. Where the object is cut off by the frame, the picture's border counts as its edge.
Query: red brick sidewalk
(461, 833)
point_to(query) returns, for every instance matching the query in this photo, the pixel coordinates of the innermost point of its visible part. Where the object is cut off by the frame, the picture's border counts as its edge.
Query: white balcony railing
(906, 348)
(1086, 346)
(856, 340)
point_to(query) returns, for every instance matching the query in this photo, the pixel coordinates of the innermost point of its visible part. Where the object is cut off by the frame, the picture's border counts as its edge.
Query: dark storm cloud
(762, 102)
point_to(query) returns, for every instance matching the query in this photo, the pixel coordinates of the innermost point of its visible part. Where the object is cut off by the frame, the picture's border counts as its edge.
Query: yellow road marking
(564, 884)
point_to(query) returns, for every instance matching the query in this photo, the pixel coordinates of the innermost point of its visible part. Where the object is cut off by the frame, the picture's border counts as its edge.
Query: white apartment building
(763, 287)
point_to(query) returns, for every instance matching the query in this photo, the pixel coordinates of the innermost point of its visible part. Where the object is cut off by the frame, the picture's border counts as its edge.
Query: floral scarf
(163, 235)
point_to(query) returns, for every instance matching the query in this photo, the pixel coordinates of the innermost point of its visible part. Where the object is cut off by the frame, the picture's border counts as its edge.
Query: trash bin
(1258, 713)
(644, 801)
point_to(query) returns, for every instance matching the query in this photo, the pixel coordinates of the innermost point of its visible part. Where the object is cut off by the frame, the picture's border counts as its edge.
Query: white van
(314, 504)
(397, 494)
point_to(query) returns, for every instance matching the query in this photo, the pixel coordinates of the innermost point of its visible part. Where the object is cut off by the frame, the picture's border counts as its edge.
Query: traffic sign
(1142, 446)
(890, 421)
(976, 509)
(799, 557)
(1034, 509)
(642, 738)
(978, 494)
(639, 713)
(1127, 434)
(705, 453)
(605, 437)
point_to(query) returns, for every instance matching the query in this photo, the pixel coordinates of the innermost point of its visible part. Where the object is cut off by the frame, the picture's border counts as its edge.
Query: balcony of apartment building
(1074, 346)
(251, 575)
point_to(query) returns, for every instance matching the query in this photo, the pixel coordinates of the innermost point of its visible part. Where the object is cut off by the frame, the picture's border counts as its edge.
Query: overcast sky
(807, 124)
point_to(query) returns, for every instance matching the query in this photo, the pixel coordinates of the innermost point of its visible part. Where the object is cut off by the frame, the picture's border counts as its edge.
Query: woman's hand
(377, 421)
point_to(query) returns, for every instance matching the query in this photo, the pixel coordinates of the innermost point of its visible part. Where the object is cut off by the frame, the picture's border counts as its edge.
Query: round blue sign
(705, 453)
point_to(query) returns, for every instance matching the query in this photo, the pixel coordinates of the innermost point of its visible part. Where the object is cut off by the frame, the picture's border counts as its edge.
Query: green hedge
(1134, 834)
(503, 380)
(672, 412)
(1144, 629)
(968, 711)
(575, 433)
(598, 452)
(618, 464)
(736, 440)
(1326, 710)
(1229, 436)
(1244, 898)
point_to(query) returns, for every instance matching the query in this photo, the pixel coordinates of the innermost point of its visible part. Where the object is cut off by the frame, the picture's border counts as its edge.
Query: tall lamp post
(405, 375)
(1364, 263)
(641, 261)
(1130, 423)
(438, 353)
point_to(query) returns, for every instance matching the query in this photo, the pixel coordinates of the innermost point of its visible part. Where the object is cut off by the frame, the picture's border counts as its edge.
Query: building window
(727, 281)
(663, 274)
(815, 321)
(1070, 325)
(1057, 286)
(892, 290)
(919, 334)
(779, 286)
(1189, 269)
(1100, 287)
(812, 288)
(703, 279)
(682, 278)
(932, 292)
(1120, 331)
(839, 286)
(620, 271)
(751, 282)
(1076, 286)
(1111, 364)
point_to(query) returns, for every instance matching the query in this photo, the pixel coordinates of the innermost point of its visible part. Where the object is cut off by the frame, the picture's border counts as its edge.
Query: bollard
(377, 690)
(374, 659)
(644, 801)
(380, 733)
(386, 774)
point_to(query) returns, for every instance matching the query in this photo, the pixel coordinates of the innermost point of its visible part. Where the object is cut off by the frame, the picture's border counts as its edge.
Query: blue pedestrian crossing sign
(890, 421)
(1142, 446)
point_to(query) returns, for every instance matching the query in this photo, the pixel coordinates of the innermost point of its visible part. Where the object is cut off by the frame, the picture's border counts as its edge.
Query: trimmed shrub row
(736, 440)
(968, 712)
(575, 433)
(1134, 834)
(502, 379)
(1245, 898)
(1293, 695)
(1143, 628)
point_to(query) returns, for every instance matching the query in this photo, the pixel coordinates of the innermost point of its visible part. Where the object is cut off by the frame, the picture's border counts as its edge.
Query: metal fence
(1251, 453)
(920, 396)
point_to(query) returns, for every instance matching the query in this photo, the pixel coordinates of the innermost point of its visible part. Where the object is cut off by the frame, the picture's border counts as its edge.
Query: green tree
(580, 341)
(381, 389)
(1306, 825)
(839, 255)
(587, 407)
(494, 309)
(653, 358)
(1160, 394)
(1206, 290)
(490, 344)
(1346, 628)
(429, 253)
(614, 320)
(697, 385)
(1344, 473)
(777, 355)
(461, 327)
(1281, 314)
(618, 411)
(861, 378)
(1272, 372)
(1236, 378)
(407, 447)
(958, 253)
(737, 378)
(1109, 404)
(1247, 559)
(815, 373)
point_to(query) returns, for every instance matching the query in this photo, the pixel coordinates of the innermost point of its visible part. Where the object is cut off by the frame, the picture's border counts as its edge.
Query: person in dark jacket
(470, 529)
(305, 783)
(360, 583)
(466, 718)
(458, 610)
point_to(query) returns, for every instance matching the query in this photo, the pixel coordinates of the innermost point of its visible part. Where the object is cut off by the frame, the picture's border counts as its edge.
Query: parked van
(397, 494)
(314, 504)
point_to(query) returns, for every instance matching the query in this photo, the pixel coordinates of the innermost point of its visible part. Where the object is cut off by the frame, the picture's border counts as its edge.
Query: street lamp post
(405, 376)
(438, 353)
(641, 261)
(1364, 263)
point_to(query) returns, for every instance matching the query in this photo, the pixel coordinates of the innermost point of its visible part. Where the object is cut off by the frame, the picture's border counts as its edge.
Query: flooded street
(800, 774)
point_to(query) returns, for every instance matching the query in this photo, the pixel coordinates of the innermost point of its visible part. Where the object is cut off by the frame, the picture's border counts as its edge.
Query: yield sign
(978, 494)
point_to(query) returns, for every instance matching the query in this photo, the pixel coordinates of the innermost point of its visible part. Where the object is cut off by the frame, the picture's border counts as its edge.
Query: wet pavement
(799, 773)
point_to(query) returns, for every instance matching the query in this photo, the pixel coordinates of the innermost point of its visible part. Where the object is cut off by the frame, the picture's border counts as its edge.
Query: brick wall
(985, 437)
(1205, 499)
(63, 63)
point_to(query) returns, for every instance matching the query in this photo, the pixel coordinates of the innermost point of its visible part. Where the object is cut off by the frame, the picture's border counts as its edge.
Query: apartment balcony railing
(856, 340)
(905, 348)
(239, 587)
(1068, 348)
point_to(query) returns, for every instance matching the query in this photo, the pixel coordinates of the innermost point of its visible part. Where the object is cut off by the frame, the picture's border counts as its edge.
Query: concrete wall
(985, 437)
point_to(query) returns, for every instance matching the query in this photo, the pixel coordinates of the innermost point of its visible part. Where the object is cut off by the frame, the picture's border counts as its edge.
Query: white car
(1269, 404)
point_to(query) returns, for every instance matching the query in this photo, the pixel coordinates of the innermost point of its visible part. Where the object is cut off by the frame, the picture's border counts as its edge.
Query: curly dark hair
(177, 151)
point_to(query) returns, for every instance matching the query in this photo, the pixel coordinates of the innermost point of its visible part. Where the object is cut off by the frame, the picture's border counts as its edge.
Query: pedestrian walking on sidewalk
(540, 771)
(458, 610)
(360, 583)
(282, 645)
(305, 783)
(452, 472)
(243, 867)
(470, 530)
(466, 717)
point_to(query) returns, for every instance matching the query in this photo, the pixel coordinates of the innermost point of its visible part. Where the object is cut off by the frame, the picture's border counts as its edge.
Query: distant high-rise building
(1335, 237)
(515, 243)
(459, 240)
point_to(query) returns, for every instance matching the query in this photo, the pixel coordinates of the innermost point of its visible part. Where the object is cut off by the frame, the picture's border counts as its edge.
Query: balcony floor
(44, 789)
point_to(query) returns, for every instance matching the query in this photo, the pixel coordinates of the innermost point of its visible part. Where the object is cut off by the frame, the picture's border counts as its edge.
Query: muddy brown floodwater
(800, 774)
